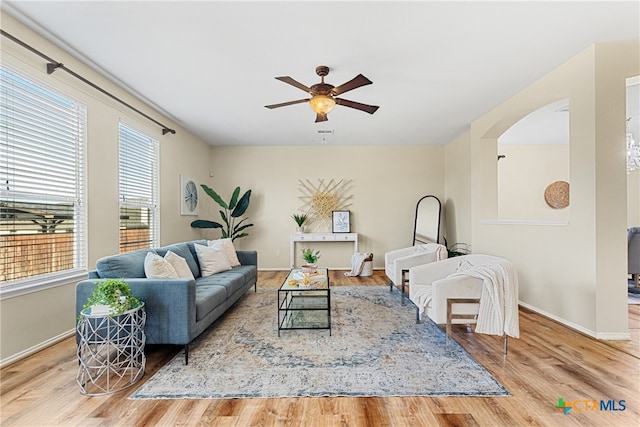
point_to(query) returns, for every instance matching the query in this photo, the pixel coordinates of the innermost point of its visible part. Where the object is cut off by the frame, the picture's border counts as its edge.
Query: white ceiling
(435, 66)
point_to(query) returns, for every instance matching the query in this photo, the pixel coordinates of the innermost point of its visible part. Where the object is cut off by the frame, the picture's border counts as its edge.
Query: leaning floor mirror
(427, 222)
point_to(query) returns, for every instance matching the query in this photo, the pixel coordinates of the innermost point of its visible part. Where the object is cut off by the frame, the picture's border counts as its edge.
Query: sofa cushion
(248, 272)
(181, 249)
(156, 267)
(180, 264)
(208, 297)
(232, 281)
(212, 260)
(129, 265)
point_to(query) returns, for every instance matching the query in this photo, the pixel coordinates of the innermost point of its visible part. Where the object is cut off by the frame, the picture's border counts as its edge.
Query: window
(42, 177)
(139, 218)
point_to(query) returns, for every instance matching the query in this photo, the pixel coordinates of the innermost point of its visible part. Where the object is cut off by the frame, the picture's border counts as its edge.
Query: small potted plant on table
(311, 258)
(300, 219)
(111, 297)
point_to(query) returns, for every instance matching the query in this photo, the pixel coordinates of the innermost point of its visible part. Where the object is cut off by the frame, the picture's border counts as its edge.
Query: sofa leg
(417, 314)
(390, 285)
(186, 354)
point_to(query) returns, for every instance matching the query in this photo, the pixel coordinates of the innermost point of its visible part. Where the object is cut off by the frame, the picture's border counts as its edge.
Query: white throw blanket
(498, 313)
(357, 263)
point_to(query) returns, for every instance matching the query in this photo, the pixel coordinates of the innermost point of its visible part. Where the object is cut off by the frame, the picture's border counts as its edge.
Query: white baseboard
(618, 336)
(36, 348)
(599, 336)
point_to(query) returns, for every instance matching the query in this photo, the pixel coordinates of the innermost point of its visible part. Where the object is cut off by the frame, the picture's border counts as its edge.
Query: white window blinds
(42, 176)
(139, 218)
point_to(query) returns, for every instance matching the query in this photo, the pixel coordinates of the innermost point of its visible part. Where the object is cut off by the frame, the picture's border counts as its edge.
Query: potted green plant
(300, 219)
(232, 210)
(311, 256)
(111, 297)
(457, 249)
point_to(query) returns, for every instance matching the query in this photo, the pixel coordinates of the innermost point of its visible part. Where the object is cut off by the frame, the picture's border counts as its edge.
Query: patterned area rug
(376, 349)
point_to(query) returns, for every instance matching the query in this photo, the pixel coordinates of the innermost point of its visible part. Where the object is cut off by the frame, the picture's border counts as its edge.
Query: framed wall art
(188, 196)
(341, 221)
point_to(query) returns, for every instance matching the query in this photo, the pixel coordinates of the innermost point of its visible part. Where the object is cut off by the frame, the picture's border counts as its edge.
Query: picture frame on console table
(341, 221)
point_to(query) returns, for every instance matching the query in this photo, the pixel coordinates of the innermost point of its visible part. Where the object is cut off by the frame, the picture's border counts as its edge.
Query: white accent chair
(398, 262)
(448, 300)
(429, 287)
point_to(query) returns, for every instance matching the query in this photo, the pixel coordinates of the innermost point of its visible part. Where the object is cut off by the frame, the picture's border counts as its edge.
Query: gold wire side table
(110, 351)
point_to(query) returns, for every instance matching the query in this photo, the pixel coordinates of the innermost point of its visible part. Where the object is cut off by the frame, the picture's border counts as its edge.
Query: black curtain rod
(53, 65)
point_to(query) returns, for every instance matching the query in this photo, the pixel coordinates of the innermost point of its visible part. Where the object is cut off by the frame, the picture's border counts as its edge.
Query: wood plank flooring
(548, 361)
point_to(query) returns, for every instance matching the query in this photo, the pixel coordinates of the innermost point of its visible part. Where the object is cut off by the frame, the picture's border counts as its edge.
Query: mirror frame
(415, 223)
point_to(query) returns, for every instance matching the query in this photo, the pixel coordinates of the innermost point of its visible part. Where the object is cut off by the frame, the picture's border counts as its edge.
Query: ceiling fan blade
(321, 117)
(354, 83)
(284, 104)
(297, 84)
(358, 106)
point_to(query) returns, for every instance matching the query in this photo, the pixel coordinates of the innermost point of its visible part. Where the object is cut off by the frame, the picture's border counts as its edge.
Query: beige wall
(28, 321)
(457, 203)
(386, 183)
(574, 273)
(523, 176)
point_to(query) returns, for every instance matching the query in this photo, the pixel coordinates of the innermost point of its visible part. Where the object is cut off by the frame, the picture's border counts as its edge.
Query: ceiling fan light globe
(322, 104)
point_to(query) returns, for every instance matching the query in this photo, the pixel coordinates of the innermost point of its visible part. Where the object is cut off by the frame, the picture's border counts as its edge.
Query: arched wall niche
(533, 166)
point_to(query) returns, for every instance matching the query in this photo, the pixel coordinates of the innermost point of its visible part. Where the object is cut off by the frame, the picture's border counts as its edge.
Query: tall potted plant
(233, 210)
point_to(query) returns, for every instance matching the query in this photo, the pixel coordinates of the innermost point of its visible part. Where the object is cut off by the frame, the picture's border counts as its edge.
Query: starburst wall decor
(321, 199)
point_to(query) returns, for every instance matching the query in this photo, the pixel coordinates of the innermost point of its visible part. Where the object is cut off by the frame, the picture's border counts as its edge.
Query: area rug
(375, 349)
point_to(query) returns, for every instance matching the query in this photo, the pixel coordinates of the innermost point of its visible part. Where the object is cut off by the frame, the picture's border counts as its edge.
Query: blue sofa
(178, 310)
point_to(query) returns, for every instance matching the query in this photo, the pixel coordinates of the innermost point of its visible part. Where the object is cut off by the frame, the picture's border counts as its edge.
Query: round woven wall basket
(557, 194)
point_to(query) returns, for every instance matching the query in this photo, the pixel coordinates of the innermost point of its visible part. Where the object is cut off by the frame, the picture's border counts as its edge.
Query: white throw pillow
(211, 260)
(156, 267)
(226, 245)
(180, 264)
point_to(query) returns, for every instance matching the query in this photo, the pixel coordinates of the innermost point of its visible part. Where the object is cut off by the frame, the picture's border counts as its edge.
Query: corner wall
(576, 273)
(457, 203)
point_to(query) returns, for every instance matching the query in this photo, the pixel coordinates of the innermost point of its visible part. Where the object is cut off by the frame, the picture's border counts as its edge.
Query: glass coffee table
(304, 301)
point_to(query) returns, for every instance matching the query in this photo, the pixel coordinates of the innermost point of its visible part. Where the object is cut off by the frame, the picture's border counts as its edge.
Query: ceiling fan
(323, 95)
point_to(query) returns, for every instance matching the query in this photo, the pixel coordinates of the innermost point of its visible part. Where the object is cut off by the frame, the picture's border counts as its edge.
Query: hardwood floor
(549, 361)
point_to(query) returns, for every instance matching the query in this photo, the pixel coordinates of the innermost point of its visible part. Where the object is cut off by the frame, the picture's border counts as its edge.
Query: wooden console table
(320, 237)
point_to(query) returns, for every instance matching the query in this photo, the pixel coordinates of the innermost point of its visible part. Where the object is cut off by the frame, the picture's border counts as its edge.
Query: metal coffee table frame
(305, 308)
